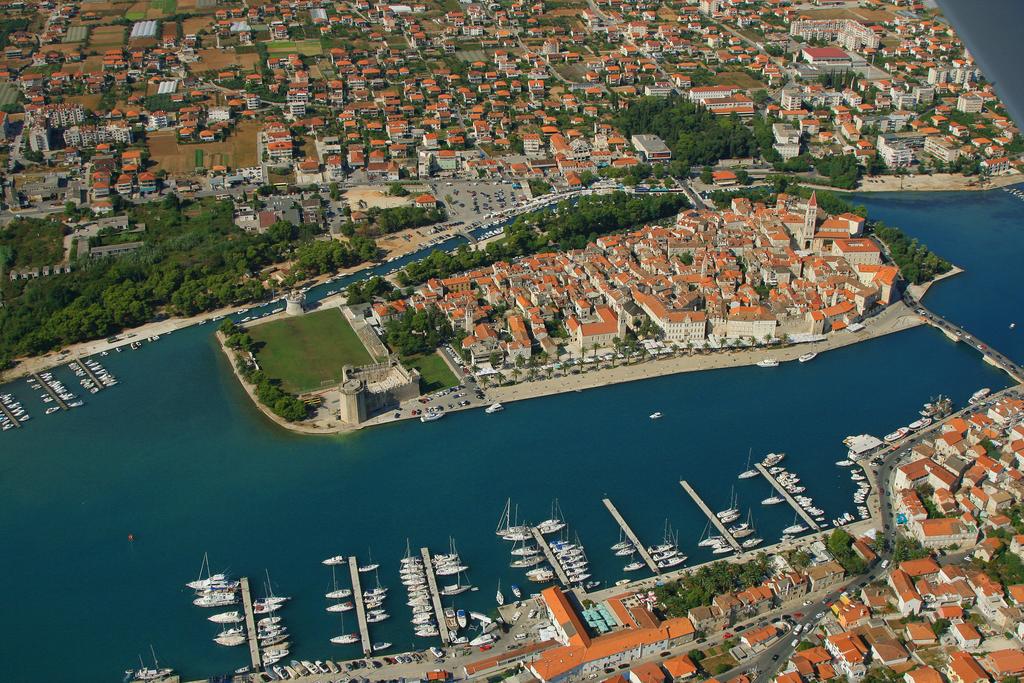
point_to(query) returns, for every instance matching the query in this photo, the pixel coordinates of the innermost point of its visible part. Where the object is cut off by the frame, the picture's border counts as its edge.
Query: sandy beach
(936, 182)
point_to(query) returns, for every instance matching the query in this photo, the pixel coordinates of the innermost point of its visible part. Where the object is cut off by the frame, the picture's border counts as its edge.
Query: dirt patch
(87, 101)
(363, 198)
(237, 151)
(212, 59)
(192, 25)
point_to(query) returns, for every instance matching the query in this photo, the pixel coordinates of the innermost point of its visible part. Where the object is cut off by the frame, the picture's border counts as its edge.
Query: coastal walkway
(53, 394)
(250, 625)
(96, 380)
(357, 598)
(729, 538)
(10, 416)
(435, 597)
(789, 499)
(552, 560)
(640, 547)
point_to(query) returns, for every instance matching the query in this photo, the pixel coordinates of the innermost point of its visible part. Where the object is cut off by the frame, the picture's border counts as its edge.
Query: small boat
(337, 559)
(844, 463)
(516, 592)
(773, 500)
(339, 594)
(460, 617)
(794, 529)
(979, 395)
(807, 357)
(341, 607)
(430, 417)
(768, 363)
(750, 472)
(378, 647)
(633, 566)
(144, 673)
(227, 618)
(499, 597)
(655, 416)
(494, 408)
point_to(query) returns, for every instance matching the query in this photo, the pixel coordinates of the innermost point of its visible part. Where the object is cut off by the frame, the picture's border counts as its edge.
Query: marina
(789, 498)
(435, 597)
(12, 419)
(640, 548)
(84, 366)
(250, 625)
(51, 391)
(550, 555)
(722, 530)
(357, 598)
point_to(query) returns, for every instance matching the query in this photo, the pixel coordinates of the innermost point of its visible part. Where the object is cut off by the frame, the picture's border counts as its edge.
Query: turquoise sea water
(176, 456)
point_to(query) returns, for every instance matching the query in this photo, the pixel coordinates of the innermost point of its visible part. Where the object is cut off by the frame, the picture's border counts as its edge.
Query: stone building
(370, 389)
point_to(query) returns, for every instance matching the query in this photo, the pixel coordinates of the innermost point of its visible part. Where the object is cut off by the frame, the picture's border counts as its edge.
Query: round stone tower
(352, 406)
(295, 303)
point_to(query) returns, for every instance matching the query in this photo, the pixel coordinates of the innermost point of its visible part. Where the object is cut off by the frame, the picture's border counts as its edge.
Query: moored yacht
(808, 357)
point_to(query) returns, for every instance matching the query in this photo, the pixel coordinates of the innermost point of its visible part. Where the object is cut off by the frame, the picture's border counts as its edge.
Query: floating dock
(53, 394)
(435, 597)
(92, 375)
(724, 532)
(250, 625)
(552, 560)
(640, 547)
(789, 499)
(10, 416)
(357, 598)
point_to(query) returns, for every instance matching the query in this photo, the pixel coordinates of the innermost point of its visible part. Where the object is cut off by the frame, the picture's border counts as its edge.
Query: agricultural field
(238, 150)
(307, 47)
(308, 351)
(858, 13)
(107, 37)
(165, 7)
(76, 34)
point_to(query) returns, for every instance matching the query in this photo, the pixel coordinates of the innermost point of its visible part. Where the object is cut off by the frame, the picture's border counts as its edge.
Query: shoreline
(935, 182)
(896, 318)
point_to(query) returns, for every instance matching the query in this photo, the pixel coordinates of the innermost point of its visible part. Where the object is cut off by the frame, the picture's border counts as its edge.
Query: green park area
(434, 372)
(308, 351)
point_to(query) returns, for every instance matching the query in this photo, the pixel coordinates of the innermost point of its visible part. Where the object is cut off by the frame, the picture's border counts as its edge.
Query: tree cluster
(917, 263)
(840, 544)
(327, 256)
(419, 331)
(569, 226)
(365, 291)
(701, 586)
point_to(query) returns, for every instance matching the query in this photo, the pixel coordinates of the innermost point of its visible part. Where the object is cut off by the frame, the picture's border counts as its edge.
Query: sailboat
(201, 583)
(498, 597)
(512, 531)
(750, 472)
(144, 673)
(731, 513)
(555, 522)
(745, 529)
(795, 528)
(708, 539)
(370, 566)
(345, 638)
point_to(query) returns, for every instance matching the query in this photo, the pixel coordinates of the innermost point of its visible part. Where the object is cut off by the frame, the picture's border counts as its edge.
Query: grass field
(434, 372)
(302, 47)
(307, 351)
(165, 6)
(9, 93)
(738, 79)
(237, 151)
(134, 16)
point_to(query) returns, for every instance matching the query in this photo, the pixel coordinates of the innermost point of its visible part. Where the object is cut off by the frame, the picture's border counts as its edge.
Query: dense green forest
(30, 242)
(570, 226)
(698, 588)
(916, 262)
(696, 136)
(194, 259)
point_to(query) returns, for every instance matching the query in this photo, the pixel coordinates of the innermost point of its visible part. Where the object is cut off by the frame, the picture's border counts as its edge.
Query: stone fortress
(370, 389)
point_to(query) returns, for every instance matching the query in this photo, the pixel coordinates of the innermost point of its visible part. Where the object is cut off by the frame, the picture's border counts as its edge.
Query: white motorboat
(768, 363)
(346, 639)
(337, 559)
(633, 566)
(655, 416)
(230, 640)
(844, 463)
(979, 395)
(430, 417)
(794, 529)
(772, 459)
(897, 435)
(494, 408)
(773, 500)
(807, 357)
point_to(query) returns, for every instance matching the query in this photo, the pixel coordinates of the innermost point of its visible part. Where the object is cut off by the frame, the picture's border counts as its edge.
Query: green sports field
(307, 351)
(434, 372)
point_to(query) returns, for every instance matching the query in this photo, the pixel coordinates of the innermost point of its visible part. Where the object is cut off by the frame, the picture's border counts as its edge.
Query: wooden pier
(250, 625)
(357, 599)
(789, 499)
(435, 597)
(92, 375)
(640, 547)
(722, 530)
(53, 394)
(10, 416)
(552, 560)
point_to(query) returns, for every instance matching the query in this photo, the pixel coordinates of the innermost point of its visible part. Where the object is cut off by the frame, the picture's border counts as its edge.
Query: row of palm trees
(629, 350)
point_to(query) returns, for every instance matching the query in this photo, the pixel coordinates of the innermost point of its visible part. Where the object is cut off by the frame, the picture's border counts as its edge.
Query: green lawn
(434, 372)
(307, 351)
(165, 6)
(307, 47)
